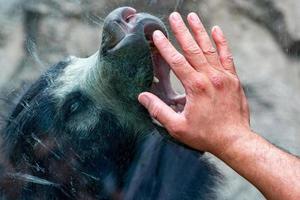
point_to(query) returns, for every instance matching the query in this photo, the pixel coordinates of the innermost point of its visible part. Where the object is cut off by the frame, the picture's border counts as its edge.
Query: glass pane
(71, 70)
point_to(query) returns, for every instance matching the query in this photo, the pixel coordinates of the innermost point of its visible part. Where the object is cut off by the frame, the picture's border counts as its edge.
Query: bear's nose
(127, 13)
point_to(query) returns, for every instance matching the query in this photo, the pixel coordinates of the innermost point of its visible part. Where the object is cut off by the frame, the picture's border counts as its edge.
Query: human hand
(216, 109)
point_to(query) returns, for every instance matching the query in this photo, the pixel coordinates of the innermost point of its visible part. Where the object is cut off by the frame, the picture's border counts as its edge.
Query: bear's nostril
(128, 18)
(150, 27)
(128, 13)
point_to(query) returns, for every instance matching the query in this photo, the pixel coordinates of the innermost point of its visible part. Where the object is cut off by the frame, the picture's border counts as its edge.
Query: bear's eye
(74, 103)
(74, 107)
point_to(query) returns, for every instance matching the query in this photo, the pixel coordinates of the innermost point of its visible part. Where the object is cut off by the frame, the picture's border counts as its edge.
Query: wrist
(233, 138)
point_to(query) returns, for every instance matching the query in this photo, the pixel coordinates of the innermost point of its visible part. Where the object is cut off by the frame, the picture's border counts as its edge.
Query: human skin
(216, 114)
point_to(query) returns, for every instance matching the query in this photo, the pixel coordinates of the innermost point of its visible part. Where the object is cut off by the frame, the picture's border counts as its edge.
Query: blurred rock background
(264, 36)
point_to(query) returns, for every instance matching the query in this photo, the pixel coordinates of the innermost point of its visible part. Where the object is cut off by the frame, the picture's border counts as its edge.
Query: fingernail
(218, 30)
(194, 17)
(144, 100)
(158, 35)
(175, 16)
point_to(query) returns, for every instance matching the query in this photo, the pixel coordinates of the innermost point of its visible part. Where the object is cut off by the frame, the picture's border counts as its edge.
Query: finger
(191, 49)
(177, 62)
(224, 52)
(158, 109)
(204, 41)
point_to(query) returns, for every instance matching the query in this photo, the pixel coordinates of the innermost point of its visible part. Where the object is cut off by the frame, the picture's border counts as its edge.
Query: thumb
(158, 109)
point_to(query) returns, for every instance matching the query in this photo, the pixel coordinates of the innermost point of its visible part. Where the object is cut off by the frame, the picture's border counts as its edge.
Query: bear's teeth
(173, 107)
(155, 79)
(157, 122)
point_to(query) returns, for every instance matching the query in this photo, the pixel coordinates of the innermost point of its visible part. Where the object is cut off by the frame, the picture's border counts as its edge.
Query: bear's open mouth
(161, 85)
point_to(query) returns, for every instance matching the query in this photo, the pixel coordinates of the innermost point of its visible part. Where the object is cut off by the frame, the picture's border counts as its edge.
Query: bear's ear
(29, 95)
(29, 91)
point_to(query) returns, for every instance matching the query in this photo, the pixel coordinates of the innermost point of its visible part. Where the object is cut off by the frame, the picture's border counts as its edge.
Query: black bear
(80, 133)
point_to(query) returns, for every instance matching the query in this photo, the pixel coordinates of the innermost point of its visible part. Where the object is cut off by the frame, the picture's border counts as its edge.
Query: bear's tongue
(161, 85)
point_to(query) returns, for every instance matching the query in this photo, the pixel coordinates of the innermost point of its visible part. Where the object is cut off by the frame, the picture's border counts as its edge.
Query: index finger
(177, 61)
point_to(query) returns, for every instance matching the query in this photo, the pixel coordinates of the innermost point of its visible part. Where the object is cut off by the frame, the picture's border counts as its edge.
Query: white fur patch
(75, 75)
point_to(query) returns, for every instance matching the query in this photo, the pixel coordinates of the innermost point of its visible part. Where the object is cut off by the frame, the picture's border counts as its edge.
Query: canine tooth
(155, 79)
(156, 122)
(173, 107)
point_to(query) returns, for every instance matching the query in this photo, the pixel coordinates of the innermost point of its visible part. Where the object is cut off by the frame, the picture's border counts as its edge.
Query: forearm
(215, 101)
(274, 172)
